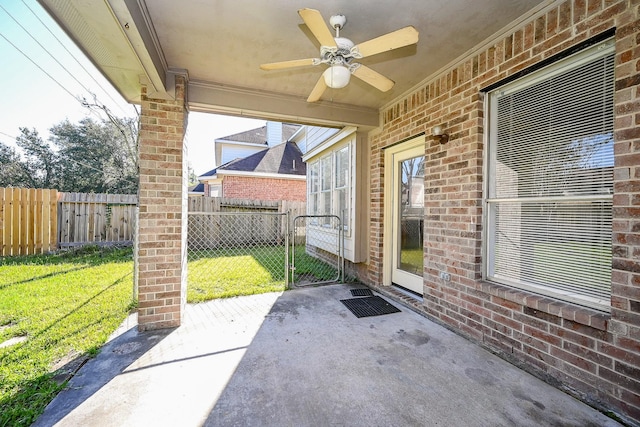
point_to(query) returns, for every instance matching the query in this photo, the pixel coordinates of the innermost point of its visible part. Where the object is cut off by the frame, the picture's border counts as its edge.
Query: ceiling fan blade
(318, 90)
(316, 24)
(374, 78)
(287, 64)
(399, 38)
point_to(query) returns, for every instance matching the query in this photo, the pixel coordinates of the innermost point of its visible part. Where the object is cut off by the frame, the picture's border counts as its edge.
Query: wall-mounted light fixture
(439, 135)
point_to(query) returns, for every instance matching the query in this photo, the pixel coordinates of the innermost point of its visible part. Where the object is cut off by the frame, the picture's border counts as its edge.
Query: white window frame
(491, 202)
(215, 190)
(331, 193)
(314, 189)
(345, 188)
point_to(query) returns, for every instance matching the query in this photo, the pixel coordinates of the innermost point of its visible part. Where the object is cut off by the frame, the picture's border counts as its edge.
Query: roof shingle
(284, 158)
(259, 135)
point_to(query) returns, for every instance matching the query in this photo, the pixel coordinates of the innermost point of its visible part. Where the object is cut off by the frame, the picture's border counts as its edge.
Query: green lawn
(411, 260)
(222, 273)
(65, 305)
(68, 305)
(310, 267)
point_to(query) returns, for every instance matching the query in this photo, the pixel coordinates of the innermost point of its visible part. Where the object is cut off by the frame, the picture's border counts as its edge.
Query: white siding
(312, 136)
(274, 133)
(317, 135)
(231, 153)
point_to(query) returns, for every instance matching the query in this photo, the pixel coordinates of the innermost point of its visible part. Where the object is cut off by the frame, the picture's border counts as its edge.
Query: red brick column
(162, 237)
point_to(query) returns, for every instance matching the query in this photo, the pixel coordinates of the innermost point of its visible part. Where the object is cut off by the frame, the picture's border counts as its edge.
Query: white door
(407, 217)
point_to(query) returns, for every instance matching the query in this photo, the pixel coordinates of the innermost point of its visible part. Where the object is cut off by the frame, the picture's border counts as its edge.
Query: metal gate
(317, 250)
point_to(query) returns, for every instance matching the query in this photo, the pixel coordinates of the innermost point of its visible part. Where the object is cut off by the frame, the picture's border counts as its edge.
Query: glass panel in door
(408, 221)
(411, 215)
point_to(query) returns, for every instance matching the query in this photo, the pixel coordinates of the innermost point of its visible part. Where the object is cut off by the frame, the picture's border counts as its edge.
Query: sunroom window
(550, 180)
(329, 187)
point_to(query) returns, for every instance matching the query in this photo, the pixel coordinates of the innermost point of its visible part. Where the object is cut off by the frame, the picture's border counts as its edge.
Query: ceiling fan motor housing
(342, 55)
(344, 45)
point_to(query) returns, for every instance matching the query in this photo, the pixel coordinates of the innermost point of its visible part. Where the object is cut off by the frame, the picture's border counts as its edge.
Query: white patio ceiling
(221, 43)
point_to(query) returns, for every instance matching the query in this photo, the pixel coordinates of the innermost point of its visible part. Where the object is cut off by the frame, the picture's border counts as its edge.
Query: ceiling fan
(340, 53)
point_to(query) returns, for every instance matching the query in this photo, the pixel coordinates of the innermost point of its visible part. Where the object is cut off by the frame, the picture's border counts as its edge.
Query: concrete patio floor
(301, 358)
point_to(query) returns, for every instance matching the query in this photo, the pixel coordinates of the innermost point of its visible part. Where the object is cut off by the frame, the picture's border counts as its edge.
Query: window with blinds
(550, 180)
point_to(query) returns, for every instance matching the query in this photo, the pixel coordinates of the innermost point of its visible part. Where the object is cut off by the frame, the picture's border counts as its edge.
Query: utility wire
(73, 56)
(82, 101)
(39, 67)
(6, 134)
(86, 165)
(45, 49)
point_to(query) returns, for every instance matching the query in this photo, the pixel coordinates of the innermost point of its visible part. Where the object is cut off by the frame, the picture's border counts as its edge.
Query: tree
(37, 166)
(94, 158)
(193, 178)
(125, 157)
(12, 173)
(89, 156)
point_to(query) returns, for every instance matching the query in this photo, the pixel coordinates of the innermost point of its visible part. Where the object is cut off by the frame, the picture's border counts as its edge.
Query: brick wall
(161, 228)
(243, 187)
(593, 355)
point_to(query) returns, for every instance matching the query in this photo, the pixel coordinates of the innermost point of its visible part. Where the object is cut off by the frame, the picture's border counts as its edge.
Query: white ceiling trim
(138, 28)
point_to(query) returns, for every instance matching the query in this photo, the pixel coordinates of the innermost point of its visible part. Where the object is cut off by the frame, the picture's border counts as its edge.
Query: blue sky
(40, 91)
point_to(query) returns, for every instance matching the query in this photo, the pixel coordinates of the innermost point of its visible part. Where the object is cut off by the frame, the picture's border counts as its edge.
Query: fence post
(286, 252)
(4, 222)
(341, 237)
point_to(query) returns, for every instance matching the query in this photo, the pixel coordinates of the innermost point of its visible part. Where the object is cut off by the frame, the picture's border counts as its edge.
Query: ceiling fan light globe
(337, 76)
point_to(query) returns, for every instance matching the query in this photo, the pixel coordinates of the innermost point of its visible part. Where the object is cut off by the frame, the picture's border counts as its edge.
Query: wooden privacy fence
(27, 221)
(35, 221)
(224, 204)
(222, 228)
(93, 218)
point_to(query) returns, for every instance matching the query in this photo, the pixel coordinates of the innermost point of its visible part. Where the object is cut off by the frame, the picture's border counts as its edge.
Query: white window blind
(550, 180)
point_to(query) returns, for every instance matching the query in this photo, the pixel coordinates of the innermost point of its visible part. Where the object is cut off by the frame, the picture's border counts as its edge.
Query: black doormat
(369, 306)
(361, 293)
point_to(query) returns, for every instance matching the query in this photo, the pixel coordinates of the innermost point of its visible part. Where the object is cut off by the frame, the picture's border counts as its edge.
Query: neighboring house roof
(284, 158)
(197, 188)
(259, 135)
(213, 172)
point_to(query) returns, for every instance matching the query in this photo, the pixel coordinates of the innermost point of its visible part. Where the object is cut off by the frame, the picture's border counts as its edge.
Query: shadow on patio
(301, 358)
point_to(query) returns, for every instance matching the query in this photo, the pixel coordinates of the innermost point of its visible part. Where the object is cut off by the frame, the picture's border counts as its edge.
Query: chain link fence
(236, 251)
(317, 250)
(240, 253)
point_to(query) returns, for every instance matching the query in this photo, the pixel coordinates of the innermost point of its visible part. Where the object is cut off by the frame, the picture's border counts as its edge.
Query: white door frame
(388, 226)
